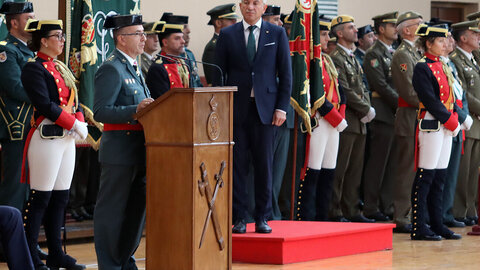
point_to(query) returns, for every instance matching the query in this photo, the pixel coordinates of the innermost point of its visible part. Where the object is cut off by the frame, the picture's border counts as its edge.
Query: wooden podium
(188, 134)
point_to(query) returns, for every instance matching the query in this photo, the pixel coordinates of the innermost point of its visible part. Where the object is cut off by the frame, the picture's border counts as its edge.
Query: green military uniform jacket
(118, 91)
(476, 55)
(209, 57)
(469, 76)
(145, 61)
(403, 62)
(376, 66)
(350, 75)
(13, 56)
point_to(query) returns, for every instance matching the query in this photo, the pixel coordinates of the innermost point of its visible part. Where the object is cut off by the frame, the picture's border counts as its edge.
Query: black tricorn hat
(440, 30)
(272, 10)
(168, 17)
(16, 8)
(117, 21)
(324, 22)
(44, 25)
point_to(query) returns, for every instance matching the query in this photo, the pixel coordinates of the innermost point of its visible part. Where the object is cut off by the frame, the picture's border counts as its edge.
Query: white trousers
(323, 146)
(51, 162)
(434, 148)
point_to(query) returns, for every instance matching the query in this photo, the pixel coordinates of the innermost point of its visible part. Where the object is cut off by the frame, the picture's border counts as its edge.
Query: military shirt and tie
(404, 60)
(352, 139)
(16, 111)
(469, 76)
(380, 164)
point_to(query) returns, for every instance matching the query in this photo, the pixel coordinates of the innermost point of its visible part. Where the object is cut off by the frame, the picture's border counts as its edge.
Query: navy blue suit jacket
(272, 60)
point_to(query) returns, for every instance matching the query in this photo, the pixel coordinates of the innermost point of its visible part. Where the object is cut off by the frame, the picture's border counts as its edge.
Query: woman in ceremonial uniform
(437, 124)
(50, 145)
(315, 190)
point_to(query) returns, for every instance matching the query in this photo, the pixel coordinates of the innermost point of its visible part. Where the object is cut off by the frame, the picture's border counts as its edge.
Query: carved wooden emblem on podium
(213, 123)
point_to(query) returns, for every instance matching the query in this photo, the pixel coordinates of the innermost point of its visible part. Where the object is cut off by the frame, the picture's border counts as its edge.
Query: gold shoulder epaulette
(335, 52)
(454, 54)
(422, 60)
(159, 61)
(32, 59)
(3, 43)
(110, 58)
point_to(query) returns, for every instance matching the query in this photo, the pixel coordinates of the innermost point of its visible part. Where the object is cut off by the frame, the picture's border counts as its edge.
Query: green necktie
(251, 48)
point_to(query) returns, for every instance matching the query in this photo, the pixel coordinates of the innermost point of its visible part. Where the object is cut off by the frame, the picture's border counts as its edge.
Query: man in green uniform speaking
(120, 92)
(15, 107)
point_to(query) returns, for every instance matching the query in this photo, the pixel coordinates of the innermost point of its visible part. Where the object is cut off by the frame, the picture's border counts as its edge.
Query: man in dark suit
(252, 55)
(120, 92)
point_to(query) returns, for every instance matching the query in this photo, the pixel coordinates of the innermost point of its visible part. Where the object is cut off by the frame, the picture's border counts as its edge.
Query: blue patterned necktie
(251, 48)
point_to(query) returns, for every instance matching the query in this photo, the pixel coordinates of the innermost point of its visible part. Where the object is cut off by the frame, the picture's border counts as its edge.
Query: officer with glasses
(120, 92)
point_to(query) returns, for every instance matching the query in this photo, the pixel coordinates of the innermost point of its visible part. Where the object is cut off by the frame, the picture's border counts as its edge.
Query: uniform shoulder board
(454, 54)
(159, 61)
(335, 52)
(110, 58)
(422, 60)
(3, 43)
(32, 59)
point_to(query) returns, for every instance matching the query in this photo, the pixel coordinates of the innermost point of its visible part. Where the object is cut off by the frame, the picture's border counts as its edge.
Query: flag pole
(294, 166)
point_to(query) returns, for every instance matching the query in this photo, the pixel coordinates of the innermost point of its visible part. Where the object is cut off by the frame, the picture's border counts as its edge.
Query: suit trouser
(348, 175)
(282, 139)
(119, 216)
(252, 136)
(467, 184)
(404, 153)
(12, 192)
(451, 178)
(379, 168)
(13, 239)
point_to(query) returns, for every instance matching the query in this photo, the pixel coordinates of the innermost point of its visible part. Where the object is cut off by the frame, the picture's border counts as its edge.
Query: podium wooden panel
(183, 129)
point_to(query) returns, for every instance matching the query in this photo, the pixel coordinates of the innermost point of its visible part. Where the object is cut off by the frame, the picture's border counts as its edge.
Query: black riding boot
(420, 190)
(435, 206)
(306, 195)
(54, 220)
(33, 216)
(324, 193)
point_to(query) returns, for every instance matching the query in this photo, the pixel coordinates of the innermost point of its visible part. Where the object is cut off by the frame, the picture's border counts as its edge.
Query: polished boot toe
(452, 236)
(467, 221)
(83, 212)
(75, 215)
(362, 218)
(454, 224)
(73, 267)
(432, 237)
(261, 226)
(41, 267)
(239, 227)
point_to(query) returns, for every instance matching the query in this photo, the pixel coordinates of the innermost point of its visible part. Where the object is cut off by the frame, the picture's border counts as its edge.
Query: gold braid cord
(183, 72)
(451, 80)
(68, 77)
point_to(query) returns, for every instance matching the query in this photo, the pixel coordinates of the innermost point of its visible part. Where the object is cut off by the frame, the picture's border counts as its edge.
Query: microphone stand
(200, 62)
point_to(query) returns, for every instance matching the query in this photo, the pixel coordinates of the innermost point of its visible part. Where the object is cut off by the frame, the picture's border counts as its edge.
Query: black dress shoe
(339, 219)
(467, 221)
(261, 226)
(41, 254)
(75, 215)
(403, 228)
(361, 218)
(73, 267)
(432, 237)
(378, 216)
(41, 267)
(82, 212)
(454, 224)
(473, 220)
(452, 236)
(240, 226)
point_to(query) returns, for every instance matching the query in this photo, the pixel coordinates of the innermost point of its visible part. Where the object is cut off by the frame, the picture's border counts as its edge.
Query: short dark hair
(457, 34)
(376, 26)
(162, 36)
(336, 28)
(422, 42)
(9, 18)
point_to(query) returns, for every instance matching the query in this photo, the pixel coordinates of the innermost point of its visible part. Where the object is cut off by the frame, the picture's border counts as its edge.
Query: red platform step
(300, 241)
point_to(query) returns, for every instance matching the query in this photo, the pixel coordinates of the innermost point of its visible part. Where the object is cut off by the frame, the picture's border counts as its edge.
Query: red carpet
(299, 241)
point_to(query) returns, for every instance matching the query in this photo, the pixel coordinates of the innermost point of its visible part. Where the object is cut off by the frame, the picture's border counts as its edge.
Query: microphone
(200, 62)
(169, 57)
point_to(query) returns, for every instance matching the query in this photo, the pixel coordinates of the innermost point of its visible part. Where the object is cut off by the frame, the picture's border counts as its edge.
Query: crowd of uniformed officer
(367, 173)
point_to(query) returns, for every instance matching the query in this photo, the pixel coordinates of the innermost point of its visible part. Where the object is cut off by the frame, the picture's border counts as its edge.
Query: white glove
(453, 133)
(369, 117)
(81, 129)
(467, 124)
(342, 126)
(75, 135)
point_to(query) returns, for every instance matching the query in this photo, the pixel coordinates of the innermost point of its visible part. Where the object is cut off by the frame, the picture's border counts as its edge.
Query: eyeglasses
(59, 36)
(140, 34)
